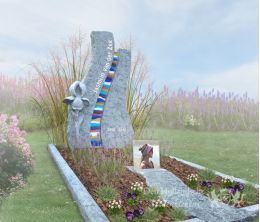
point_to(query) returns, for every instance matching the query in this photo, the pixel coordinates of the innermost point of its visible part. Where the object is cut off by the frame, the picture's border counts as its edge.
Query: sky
(187, 43)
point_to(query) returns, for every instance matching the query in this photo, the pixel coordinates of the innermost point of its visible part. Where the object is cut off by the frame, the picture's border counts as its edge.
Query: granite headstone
(97, 112)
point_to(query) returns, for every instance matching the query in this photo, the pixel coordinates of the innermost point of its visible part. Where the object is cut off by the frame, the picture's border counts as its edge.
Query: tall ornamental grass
(140, 95)
(55, 78)
(105, 164)
(210, 111)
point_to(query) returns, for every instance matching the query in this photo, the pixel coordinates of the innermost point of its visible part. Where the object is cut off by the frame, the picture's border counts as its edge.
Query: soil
(122, 184)
(182, 170)
(177, 168)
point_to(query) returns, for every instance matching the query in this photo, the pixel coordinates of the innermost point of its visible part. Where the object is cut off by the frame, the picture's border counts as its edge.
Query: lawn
(233, 153)
(45, 198)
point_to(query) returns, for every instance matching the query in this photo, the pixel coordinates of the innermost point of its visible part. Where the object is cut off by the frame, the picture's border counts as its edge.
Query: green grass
(178, 214)
(207, 175)
(233, 153)
(31, 123)
(106, 193)
(45, 198)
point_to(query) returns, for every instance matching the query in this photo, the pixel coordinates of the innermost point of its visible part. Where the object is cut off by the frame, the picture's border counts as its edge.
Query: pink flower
(12, 134)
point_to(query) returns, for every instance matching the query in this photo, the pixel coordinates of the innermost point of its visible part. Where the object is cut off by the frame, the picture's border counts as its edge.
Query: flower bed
(224, 189)
(122, 194)
(15, 156)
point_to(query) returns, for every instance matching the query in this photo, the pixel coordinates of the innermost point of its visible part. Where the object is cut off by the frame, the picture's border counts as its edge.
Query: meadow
(233, 153)
(206, 110)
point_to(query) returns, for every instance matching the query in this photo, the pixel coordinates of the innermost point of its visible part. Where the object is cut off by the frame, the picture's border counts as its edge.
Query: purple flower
(239, 186)
(206, 184)
(128, 195)
(209, 184)
(130, 216)
(136, 213)
(141, 211)
(236, 187)
(203, 183)
(231, 190)
(133, 196)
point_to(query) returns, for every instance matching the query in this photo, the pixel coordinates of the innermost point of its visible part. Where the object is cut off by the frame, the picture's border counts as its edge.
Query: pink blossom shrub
(15, 155)
(10, 133)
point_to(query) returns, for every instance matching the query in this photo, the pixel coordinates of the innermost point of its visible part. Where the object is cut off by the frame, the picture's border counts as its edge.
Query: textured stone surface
(87, 205)
(193, 220)
(115, 124)
(176, 193)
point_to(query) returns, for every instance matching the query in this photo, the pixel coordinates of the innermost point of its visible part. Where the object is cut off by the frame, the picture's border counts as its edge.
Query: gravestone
(97, 112)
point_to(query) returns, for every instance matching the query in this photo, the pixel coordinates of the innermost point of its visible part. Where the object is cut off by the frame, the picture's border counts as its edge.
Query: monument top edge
(98, 35)
(94, 33)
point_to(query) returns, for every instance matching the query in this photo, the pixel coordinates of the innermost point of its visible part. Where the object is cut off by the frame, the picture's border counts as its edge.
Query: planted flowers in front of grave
(196, 183)
(234, 193)
(114, 207)
(227, 190)
(138, 204)
(159, 205)
(192, 181)
(137, 188)
(206, 186)
(134, 198)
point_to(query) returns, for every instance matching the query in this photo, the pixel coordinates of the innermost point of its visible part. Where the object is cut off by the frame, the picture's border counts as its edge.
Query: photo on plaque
(146, 154)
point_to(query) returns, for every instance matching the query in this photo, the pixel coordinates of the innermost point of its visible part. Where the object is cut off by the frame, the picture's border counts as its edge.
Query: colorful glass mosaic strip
(95, 124)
